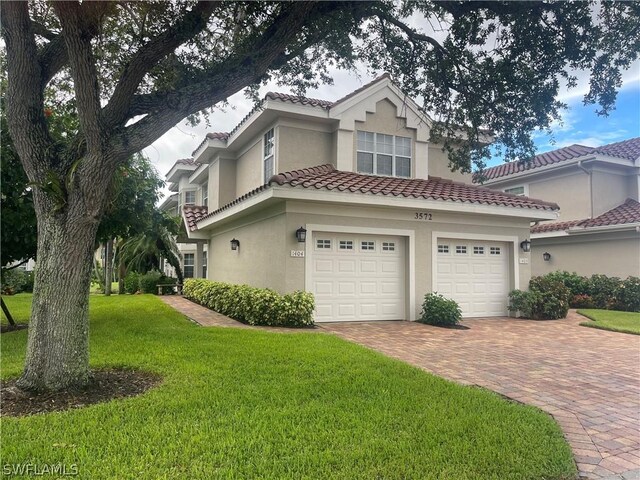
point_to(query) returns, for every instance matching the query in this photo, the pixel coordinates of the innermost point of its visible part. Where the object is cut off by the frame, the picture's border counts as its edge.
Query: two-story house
(349, 200)
(188, 183)
(597, 190)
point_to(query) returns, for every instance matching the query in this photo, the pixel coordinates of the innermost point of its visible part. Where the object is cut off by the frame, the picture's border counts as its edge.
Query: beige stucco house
(598, 230)
(349, 200)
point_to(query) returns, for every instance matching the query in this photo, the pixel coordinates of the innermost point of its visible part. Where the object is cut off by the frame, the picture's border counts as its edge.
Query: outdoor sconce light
(235, 244)
(301, 234)
(546, 256)
(525, 245)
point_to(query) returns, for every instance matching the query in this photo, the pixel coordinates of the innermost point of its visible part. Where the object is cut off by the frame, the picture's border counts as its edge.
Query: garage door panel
(478, 279)
(365, 282)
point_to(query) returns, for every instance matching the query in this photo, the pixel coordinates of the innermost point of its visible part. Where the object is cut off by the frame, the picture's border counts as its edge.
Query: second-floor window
(190, 197)
(205, 194)
(382, 154)
(519, 190)
(269, 155)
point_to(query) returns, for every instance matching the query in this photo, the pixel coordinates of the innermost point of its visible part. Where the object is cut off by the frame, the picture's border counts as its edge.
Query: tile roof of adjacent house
(625, 213)
(182, 161)
(326, 177)
(629, 149)
(193, 214)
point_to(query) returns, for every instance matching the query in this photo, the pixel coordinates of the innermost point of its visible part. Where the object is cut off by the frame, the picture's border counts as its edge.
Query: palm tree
(143, 251)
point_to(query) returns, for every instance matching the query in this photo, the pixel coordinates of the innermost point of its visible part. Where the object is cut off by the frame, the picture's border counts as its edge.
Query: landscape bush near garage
(550, 296)
(600, 291)
(255, 306)
(438, 310)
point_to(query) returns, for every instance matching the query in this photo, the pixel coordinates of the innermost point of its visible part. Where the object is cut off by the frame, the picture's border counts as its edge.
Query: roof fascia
(198, 175)
(351, 198)
(604, 228)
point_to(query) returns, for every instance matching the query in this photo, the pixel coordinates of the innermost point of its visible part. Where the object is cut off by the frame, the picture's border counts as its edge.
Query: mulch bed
(13, 328)
(107, 384)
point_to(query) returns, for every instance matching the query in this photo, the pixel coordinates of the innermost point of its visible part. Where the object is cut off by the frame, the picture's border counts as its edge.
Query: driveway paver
(587, 379)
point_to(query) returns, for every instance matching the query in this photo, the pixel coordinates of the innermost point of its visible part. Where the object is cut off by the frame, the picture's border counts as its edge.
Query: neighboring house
(597, 190)
(364, 213)
(189, 182)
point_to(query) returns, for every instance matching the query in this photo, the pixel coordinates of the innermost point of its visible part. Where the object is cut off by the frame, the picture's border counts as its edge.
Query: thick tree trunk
(58, 344)
(108, 267)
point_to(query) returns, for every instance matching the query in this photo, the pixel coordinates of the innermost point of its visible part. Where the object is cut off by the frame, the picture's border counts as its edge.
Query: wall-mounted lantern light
(235, 244)
(525, 245)
(301, 234)
(546, 256)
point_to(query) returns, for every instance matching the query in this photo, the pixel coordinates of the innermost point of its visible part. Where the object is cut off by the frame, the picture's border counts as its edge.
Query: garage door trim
(512, 240)
(409, 234)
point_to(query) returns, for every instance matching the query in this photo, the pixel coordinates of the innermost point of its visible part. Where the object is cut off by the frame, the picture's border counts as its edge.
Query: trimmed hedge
(600, 291)
(255, 306)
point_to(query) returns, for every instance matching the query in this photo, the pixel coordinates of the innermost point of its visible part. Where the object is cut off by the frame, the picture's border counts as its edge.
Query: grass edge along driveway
(238, 403)
(613, 320)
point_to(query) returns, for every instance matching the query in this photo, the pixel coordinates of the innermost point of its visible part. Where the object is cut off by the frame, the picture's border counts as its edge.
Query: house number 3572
(422, 216)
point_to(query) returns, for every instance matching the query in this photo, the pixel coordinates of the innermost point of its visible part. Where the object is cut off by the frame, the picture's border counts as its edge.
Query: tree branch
(52, 58)
(266, 52)
(77, 21)
(192, 23)
(44, 32)
(24, 98)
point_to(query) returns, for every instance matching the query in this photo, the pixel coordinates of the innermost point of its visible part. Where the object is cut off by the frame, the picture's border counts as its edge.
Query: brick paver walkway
(588, 379)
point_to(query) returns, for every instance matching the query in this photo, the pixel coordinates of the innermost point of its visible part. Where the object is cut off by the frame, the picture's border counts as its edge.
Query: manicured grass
(625, 322)
(95, 288)
(240, 403)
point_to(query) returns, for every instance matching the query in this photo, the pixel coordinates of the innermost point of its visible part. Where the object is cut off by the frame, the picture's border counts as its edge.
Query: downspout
(590, 187)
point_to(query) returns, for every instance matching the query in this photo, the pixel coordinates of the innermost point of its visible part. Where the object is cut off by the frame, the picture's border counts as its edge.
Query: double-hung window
(190, 197)
(205, 194)
(269, 155)
(189, 264)
(382, 154)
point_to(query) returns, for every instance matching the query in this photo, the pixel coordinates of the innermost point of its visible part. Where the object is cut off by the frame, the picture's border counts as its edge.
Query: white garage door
(357, 277)
(475, 274)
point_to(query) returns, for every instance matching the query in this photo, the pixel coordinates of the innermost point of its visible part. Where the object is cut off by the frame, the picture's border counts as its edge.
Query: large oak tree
(129, 71)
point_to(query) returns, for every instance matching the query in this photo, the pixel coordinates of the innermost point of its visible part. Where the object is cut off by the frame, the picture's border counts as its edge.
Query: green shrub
(603, 290)
(14, 281)
(255, 306)
(547, 299)
(582, 301)
(148, 282)
(438, 310)
(577, 284)
(131, 282)
(627, 295)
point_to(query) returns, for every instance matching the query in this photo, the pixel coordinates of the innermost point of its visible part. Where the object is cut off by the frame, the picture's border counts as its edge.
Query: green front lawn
(626, 322)
(239, 403)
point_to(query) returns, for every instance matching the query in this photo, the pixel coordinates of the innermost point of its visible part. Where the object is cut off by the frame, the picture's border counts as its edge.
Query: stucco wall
(249, 168)
(260, 259)
(609, 191)
(570, 192)
(267, 237)
(439, 166)
(614, 254)
(302, 148)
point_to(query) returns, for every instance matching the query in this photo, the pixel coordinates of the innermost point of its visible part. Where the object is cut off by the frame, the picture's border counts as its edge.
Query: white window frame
(525, 190)
(393, 155)
(195, 197)
(272, 154)
(192, 257)
(205, 194)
